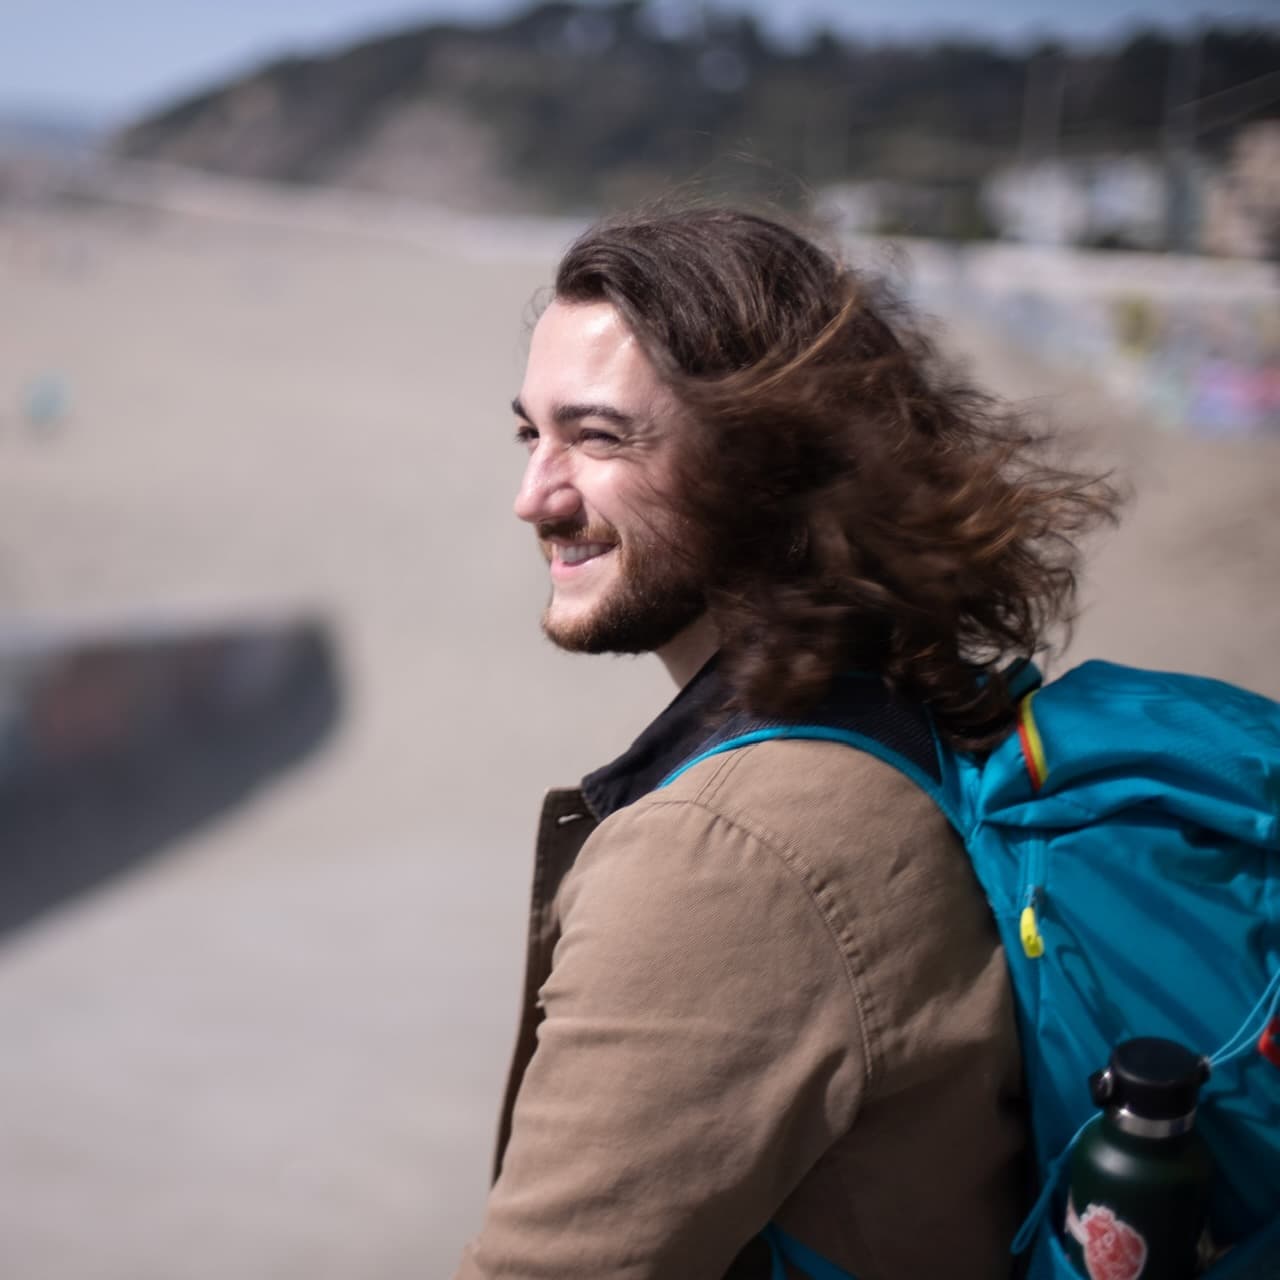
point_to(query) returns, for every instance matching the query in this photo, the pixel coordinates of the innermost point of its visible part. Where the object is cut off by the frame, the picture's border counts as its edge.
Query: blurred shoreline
(1191, 339)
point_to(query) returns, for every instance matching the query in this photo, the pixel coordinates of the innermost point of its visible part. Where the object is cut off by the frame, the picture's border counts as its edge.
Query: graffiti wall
(1193, 341)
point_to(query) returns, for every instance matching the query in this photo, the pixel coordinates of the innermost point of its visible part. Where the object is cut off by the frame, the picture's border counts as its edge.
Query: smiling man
(599, 461)
(767, 1025)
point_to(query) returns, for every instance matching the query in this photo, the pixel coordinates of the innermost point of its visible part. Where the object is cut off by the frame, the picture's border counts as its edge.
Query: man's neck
(689, 652)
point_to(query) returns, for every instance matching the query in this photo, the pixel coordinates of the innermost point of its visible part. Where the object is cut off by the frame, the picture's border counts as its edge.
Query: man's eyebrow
(564, 413)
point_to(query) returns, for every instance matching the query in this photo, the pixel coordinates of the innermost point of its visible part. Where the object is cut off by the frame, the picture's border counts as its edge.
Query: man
(766, 1009)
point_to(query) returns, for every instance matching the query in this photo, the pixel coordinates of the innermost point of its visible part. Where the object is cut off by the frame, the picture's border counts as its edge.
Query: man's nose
(547, 491)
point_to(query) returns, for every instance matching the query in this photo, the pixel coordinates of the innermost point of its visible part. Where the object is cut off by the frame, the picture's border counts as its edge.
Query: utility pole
(1042, 105)
(1182, 211)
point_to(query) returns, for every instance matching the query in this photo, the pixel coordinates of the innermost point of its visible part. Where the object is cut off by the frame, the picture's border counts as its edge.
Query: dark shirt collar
(689, 720)
(856, 705)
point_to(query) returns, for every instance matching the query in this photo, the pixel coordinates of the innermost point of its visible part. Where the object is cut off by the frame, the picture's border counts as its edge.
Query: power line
(1234, 102)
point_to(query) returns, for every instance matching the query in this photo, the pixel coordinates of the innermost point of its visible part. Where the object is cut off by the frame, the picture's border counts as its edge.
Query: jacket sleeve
(702, 1047)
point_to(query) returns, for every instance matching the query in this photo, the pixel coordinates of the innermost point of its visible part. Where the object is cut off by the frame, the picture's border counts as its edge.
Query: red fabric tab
(1269, 1042)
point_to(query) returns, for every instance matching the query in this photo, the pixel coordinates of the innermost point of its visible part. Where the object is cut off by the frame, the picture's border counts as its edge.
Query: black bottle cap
(1154, 1078)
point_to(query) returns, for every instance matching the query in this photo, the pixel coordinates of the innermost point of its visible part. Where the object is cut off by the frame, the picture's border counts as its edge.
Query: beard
(656, 593)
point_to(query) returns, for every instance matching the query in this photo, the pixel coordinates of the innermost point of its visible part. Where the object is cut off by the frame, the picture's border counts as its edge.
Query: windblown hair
(857, 507)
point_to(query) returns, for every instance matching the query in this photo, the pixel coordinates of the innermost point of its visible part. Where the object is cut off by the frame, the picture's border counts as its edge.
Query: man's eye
(526, 435)
(592, 435)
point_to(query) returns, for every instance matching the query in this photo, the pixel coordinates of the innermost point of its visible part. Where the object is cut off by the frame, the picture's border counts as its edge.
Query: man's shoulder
(818, 813)
(807, 790)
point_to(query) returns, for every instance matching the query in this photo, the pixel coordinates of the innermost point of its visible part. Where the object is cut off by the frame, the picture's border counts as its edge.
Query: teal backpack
(1128, 839)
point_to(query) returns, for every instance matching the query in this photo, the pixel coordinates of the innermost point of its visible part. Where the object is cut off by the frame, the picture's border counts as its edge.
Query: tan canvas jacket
(769, 991)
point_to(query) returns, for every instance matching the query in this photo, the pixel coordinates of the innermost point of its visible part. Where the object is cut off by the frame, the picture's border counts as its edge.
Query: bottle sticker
(1113, 1250)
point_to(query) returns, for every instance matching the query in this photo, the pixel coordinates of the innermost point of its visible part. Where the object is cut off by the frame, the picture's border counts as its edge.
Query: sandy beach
(275, 1049)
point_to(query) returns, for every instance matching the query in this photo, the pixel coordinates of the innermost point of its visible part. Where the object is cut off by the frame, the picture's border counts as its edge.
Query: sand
(276, 1048)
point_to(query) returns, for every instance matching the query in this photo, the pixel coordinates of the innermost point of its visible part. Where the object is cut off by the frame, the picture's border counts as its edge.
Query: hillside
(570, 107)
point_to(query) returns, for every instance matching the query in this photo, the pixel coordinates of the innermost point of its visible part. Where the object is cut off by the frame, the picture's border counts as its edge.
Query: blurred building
(1122, 202)
(883, 206)
(1242, 202)
(1106, 201)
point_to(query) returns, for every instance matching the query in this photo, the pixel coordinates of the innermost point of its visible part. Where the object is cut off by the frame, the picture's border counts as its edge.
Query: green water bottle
(1140, 1172)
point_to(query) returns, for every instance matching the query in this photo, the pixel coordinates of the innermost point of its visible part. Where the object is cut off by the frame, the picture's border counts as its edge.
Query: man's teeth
(581, 551)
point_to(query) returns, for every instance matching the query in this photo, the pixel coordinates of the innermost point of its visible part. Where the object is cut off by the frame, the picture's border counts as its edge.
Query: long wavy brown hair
(857, 505)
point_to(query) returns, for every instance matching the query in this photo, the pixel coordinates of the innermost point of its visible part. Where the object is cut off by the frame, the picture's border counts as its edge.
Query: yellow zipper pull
(1032, 942)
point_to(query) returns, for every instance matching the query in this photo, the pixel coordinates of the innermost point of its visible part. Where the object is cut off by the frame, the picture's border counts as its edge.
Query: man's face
(601, 432)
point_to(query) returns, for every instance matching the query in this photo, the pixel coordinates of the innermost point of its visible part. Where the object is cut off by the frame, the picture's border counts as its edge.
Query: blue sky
(106, 60)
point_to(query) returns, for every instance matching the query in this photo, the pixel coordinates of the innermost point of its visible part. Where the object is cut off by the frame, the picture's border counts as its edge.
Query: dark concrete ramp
(112, 745)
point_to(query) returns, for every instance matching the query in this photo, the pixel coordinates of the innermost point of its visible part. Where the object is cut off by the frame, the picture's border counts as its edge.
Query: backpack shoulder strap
(860, 712)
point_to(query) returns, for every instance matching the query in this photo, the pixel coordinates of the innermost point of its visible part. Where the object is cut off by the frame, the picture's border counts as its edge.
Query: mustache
(574, 532)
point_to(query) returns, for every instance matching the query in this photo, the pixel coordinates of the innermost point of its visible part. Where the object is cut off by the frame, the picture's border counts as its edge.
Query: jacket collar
(689, 720)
